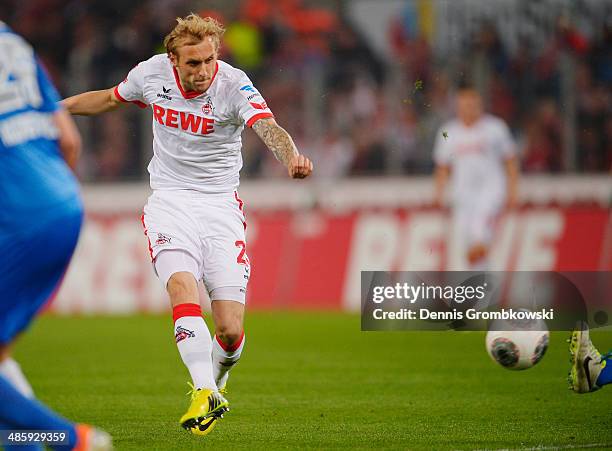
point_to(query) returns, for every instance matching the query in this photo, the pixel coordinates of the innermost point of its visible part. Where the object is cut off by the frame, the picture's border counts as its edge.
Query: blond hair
(192, 30)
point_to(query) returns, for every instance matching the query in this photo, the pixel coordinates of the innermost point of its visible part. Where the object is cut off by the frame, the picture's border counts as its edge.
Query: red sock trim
(186, 310)
(232, 348)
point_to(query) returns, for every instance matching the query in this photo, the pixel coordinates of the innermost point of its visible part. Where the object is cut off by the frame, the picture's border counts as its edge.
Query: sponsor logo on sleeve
(249, 92)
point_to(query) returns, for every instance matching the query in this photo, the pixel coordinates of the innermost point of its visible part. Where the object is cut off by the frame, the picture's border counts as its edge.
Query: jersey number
(242, 257)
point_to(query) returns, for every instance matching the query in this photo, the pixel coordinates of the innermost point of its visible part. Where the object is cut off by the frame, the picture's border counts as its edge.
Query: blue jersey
(35, 183)
(40, 205)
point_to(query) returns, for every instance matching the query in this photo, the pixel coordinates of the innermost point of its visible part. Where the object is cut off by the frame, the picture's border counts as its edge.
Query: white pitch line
(540, 448)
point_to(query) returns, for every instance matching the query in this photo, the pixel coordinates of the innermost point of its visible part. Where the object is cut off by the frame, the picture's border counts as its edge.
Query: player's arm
(282, 146)
(512, 176)
(69, 138)
(92, 102)
(440, 179)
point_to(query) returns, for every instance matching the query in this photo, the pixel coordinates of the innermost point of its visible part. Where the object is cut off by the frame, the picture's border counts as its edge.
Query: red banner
(313, 259)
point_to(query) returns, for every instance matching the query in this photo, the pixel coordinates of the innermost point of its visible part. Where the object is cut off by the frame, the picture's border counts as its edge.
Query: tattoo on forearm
(277, 139)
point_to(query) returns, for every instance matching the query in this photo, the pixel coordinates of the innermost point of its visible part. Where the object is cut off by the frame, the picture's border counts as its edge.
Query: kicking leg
(190, 331)
(192, 339)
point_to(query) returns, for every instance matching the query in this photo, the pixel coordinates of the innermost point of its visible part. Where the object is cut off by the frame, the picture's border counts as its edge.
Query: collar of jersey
(193, 94)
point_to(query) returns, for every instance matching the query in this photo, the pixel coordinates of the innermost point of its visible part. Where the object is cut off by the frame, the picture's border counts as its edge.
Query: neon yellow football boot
(207, 406)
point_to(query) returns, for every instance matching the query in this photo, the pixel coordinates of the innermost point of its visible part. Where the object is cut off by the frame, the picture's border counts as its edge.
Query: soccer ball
(517, 346)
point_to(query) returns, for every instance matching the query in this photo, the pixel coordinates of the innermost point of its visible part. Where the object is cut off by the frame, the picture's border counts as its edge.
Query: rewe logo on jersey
(185, 121)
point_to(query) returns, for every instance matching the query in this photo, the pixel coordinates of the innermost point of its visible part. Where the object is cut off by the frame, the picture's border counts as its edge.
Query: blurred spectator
(334, 155)
(542, 147)
(359, 111)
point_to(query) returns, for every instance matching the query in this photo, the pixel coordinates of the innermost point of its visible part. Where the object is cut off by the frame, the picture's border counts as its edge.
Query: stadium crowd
(347, 107)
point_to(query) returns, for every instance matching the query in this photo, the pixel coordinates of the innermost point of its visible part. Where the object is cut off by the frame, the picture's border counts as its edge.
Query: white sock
(194, 344)
(11, 370)
(224, 358)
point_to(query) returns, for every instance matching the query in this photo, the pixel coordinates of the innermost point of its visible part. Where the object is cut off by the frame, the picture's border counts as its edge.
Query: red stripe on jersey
(192, 94)
(240, 207)
(258, 116)
(240, 201)
(147, 235)
(181, 310)
(135, 102)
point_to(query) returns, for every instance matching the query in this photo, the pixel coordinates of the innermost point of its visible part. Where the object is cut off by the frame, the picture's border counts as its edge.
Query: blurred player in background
(590, 370)
(194, 219)
(477, 151)
(40, 220)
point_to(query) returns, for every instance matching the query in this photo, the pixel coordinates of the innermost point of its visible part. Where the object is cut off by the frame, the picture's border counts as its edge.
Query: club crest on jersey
(162, 239)
(182, 333)
(208, 109)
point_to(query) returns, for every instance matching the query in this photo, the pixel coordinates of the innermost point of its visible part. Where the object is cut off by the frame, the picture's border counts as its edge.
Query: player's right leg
(590, 370)
(176, 252)
(177, 269)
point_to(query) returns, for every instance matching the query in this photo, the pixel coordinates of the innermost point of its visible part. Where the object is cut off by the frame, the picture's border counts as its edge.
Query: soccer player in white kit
(194, 219)
(477, 151)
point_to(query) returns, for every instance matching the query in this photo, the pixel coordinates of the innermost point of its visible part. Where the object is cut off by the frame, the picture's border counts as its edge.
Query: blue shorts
(33, 260)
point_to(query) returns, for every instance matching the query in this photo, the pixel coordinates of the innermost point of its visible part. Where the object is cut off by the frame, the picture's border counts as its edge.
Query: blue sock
(605, 377)
(19, 412)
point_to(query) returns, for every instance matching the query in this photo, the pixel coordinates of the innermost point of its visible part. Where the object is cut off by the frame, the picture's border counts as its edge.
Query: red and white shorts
(203, 234)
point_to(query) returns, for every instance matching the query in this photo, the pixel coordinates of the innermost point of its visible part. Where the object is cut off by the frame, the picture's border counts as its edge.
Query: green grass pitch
(314, 380)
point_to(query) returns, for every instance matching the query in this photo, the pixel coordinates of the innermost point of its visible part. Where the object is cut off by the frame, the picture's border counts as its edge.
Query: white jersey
(476, 157)
(196, 136)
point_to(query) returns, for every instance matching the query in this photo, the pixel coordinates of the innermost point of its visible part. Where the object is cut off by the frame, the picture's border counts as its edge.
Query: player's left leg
(229, 339)
(227, 270)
